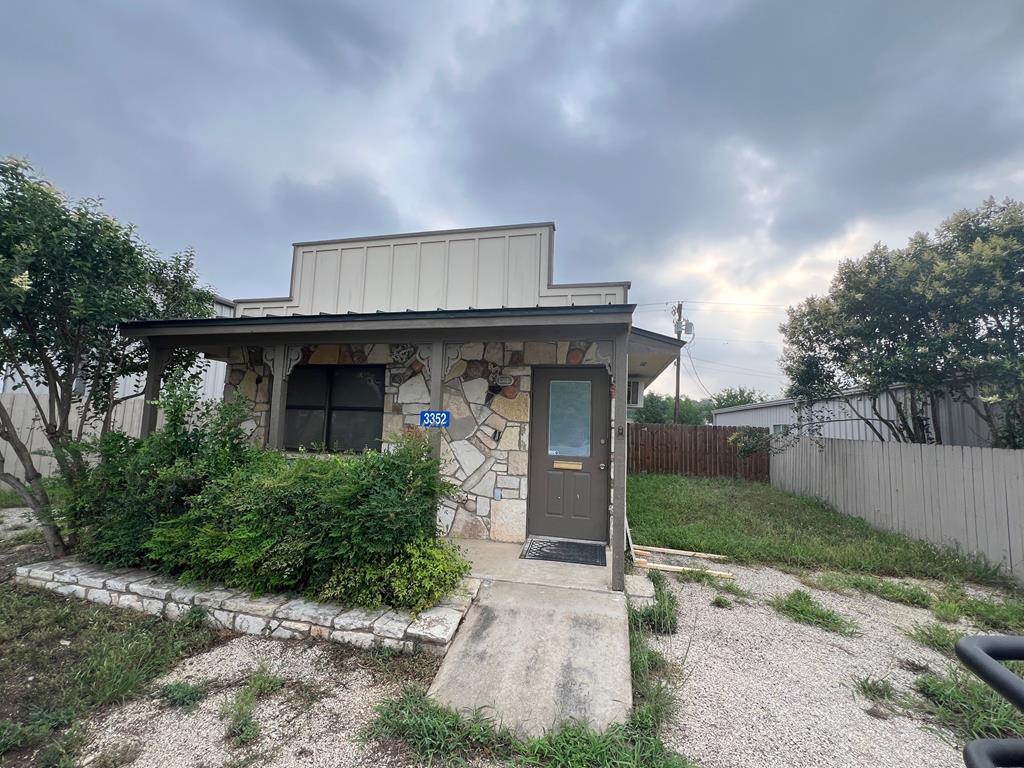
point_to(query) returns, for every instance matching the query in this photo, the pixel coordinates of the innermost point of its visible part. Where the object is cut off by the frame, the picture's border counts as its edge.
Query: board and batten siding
(959, 423)
(964, 497)
(460, 269)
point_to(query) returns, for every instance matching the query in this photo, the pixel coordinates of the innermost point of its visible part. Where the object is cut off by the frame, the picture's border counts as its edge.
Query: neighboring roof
(590, 312)
(658, 337)
(755, 406)
(426, 233)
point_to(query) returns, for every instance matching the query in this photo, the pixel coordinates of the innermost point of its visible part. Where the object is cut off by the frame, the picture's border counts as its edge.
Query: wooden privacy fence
(971, 499)
(682, 449)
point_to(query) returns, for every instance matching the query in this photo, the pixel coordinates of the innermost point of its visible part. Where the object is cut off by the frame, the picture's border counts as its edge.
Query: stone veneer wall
(486, 448)
(276, 616)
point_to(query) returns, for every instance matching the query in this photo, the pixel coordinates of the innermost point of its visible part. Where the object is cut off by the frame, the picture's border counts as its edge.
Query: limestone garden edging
(274, 616)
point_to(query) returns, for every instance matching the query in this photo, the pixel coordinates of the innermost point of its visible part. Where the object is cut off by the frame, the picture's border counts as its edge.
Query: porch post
(436, 370)
(155, 368)
(278, 397)
(619, 466)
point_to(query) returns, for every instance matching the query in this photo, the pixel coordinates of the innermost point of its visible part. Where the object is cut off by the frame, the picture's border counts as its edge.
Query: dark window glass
(358, 387)
(356, 430)
(340, 408)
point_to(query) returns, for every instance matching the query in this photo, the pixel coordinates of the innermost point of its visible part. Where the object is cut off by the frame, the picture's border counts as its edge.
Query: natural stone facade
(276, 616)
(250, 379)
(487, 389)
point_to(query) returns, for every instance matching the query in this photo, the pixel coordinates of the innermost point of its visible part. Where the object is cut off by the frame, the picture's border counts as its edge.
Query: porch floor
(498, 561)
(543, 643)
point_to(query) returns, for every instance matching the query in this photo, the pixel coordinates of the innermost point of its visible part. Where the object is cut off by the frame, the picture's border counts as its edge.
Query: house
(958, 423)
(376, 333)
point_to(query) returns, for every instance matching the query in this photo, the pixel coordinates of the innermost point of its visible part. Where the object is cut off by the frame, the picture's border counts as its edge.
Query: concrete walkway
(533, 653)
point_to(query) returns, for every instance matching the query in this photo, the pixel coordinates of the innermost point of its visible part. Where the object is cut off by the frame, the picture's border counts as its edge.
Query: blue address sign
(435, 419)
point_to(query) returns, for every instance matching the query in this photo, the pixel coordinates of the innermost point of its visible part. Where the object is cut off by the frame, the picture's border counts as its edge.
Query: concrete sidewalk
(534, 655)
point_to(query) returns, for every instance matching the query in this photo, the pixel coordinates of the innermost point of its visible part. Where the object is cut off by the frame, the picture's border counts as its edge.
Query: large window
(340, 408)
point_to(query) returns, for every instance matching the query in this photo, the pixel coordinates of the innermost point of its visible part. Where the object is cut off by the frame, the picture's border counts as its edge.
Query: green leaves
(943, 316)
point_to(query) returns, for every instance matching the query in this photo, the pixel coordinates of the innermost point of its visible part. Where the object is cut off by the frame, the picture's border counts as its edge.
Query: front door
(569, 432)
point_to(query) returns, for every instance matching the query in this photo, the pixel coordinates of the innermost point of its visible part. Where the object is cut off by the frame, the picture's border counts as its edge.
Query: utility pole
(678, 317)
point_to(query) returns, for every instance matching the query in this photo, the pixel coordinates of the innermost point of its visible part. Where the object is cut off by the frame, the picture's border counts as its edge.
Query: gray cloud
(240, 126)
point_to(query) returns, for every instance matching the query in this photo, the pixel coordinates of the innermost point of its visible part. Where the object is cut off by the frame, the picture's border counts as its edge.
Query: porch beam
(621, 375)
(156, 366)
(278, 396)
(436, 370)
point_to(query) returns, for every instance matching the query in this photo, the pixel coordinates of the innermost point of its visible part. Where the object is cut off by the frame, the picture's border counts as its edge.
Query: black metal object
(555, 550)
(984, 655)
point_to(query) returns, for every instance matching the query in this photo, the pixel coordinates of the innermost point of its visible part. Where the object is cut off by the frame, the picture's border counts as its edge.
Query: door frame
(606, 422)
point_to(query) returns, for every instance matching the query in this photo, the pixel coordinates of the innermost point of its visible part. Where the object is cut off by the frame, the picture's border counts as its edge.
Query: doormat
(578, 552)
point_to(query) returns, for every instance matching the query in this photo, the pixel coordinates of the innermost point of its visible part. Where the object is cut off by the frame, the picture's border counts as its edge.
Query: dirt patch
(315, 719)
(763, 690)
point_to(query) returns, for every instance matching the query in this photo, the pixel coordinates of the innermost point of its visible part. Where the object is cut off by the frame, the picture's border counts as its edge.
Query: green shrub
(131, 484)
(357, 529)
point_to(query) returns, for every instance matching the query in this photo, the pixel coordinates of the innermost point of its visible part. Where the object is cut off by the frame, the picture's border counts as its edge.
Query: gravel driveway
(328, 697)
(763, 690)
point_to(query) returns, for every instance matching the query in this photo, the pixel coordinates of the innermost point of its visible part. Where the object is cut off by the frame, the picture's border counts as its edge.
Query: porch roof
(537, 323)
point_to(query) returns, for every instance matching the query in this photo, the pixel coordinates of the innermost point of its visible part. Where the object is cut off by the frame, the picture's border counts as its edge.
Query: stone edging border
(274, 616)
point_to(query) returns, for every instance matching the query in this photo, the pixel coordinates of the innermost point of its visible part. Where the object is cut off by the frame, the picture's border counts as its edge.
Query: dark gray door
(569, 432)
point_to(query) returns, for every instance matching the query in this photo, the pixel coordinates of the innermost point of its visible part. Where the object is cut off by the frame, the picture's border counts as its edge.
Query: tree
(69, 274)
(732, 396)
(941, 317)
(657, 409)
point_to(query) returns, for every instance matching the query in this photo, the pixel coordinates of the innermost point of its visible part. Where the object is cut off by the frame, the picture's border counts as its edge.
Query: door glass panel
(308, 386)
(569, 418)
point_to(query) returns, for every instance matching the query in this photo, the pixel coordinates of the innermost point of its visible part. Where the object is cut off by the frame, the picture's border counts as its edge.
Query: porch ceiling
(651, 353)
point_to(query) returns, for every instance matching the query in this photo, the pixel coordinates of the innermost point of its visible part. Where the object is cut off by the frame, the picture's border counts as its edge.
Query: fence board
(682, 449)
(968, 498)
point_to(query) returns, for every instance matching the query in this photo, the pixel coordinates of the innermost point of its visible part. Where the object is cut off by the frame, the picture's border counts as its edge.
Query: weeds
(936, 637)
(801, 607)
(967, 707)
(79, 657)
(660, 617)
(874, 689)
(717, 583)
(242, 727)
(887, 589)
(721, 601)
(182, 695)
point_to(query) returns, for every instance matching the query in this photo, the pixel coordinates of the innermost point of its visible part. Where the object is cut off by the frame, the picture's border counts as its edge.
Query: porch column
(619, 466)
(278, 396)
(155, 369)
(436, 369)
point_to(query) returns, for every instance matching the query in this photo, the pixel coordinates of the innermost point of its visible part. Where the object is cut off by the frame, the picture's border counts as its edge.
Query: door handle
(602, 467)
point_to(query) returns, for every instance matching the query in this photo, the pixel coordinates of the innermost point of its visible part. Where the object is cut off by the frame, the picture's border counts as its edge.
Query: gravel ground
(328, 697)
(761, 690)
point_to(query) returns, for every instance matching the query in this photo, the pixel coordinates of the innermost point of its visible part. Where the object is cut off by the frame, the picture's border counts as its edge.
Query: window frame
(328, 373)
(634, 402)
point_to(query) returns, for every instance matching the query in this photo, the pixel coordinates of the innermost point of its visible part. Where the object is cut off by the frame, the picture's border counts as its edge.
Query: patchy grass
(242, 727)
(887, 589)
(661, 617)
(937, 637)
(9, 498)
(721, 601)
(182, 695)
(800, 606)
(756, 524)
(874, 689)
(727, 586)
(963, 704)
(64, 659)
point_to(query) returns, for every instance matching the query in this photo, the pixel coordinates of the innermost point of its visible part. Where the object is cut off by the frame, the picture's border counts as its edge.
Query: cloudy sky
(724, 153)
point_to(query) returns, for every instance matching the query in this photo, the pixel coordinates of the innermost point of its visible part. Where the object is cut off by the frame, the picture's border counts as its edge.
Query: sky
(725, 154)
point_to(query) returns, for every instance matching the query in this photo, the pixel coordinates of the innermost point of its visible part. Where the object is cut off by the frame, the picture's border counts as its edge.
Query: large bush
(130, 485)
(194, 500)
(359, 529)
